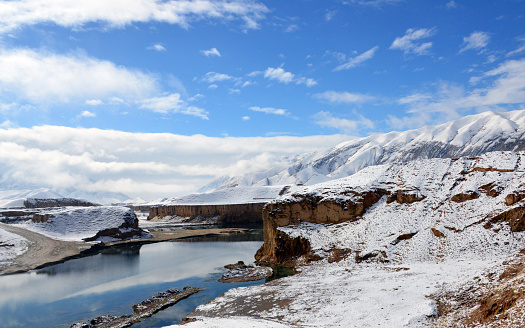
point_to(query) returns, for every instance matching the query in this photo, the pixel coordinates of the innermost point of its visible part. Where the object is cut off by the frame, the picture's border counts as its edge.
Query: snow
(239, 195)
(233, 322)
(77, 223)
(469, 136)
(11, 246)
(16, 198)
(397, 288)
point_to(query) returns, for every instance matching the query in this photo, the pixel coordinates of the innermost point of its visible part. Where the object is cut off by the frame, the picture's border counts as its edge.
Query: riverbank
(44, 251)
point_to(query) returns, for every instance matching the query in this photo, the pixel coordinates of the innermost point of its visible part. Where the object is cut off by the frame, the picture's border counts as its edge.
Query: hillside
(469, 136)
(389, 246)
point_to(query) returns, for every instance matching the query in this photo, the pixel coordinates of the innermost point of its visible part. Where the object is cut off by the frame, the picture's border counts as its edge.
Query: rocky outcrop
(514, 217)
(127, 230)
(56, 202)
(513, 198)
(280, 249)
(405, 197)
(146, 308)
(463, 197)
(228, 213)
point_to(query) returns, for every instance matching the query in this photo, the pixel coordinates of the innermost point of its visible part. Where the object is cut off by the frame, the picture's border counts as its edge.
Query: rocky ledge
(240, 272)
(147, 308)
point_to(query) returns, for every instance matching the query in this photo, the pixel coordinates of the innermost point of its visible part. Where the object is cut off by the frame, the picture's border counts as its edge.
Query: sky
(156, 98)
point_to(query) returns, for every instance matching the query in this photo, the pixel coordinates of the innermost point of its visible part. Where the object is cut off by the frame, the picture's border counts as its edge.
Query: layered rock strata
(227, 213)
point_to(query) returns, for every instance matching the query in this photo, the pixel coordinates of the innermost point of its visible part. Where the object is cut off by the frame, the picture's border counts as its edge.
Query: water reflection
(111, 281)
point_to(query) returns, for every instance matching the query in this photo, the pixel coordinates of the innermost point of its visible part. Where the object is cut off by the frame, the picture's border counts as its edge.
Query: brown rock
(512, 199)
(514, 217)
(460, 198)
(437, 233)
(228, 213)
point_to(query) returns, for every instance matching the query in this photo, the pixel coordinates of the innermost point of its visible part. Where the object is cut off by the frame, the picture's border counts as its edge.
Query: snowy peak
(469, 136)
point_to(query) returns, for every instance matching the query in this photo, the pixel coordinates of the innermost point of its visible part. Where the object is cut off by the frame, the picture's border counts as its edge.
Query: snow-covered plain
(416, 249)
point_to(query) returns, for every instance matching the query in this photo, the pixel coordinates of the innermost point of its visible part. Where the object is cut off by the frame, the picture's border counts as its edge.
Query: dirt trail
(41, 250)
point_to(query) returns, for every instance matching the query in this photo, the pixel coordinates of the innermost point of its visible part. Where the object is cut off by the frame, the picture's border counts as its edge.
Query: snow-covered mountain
(469, 136)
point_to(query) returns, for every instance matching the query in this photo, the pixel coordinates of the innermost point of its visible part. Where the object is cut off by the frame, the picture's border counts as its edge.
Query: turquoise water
(112, 281)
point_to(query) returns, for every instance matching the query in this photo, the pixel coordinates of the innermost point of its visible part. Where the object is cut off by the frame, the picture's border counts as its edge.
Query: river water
(111, 281)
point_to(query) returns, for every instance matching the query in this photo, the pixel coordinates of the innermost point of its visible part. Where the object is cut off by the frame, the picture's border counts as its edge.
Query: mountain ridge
(471, 135)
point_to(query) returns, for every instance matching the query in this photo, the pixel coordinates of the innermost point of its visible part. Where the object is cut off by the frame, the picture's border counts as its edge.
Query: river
(111, 281)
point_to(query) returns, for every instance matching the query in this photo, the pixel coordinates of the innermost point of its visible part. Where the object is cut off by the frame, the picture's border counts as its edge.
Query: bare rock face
(280, 249)
(514, 217)
(513, 198)
(463, 197)
(405, 197)
(227, 213)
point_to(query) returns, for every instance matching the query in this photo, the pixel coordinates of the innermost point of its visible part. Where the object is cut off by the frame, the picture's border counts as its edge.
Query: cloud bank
(117, 14)
(150, 165)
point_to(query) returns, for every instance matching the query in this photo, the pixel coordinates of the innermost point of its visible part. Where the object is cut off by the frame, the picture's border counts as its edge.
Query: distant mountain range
(469, 136)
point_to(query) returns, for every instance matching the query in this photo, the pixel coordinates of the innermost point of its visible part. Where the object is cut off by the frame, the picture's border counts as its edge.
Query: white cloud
(75, 14)
(343, 97)
(246, 118)
(94, 102)
(285, 77)
(475, 41)
(309, 82)
(353, 62)
(327, 120)
(172, 104)
(234, 91)
(409, 44)
(212, 77)
(329, 15)
(157, 47)
(52, 78)
(137, 164)
(504, 88)
(213, 86)
(270, 110)
(211, 52)
(372, 3)
(87, 113)
(451, 4)
(279, 74)
(292, 28)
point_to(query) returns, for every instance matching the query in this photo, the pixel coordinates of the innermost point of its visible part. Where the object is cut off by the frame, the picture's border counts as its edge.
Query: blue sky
(248, 69)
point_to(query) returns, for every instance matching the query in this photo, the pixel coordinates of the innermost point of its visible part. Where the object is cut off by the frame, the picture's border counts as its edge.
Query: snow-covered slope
(16, 198)
(468, 136)
(241, 195)
(451, 213)
(73, 223)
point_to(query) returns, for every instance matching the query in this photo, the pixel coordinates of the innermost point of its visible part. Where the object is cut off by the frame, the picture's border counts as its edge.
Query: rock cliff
(229, 213)
(427, 209)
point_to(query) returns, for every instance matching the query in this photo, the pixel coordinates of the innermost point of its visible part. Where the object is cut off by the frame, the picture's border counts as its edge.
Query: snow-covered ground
(240, 195)
(414, 249)
(342, 295)
(11, 246)
(77, 223)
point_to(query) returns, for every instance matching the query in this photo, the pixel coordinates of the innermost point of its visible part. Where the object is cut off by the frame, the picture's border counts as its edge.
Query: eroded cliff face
(419, 210)
(280, 249)
(228, 213)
